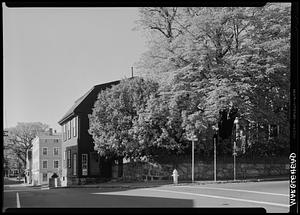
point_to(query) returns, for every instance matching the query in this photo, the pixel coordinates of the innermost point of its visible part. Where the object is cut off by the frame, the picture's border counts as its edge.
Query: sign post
(234, 161)
(215, 128)
(215, 158)
(236, 122)
(193, 138)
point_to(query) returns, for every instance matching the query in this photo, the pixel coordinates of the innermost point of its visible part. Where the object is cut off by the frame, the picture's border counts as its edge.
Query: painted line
(236, 190)
(18, 200)
(222, 197)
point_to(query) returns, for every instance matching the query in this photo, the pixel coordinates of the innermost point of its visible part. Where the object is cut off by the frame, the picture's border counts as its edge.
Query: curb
(168, 184)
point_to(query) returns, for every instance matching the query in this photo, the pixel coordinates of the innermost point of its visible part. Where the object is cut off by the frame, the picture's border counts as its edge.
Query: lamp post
(236, 122)
(193, 138)
(215, 151)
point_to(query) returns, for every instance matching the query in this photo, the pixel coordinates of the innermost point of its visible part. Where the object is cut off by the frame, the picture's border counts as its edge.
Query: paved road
(273, 196)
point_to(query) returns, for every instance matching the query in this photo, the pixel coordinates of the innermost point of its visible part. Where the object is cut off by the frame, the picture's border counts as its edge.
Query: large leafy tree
(222, 56)
(20, 137)
(113, 116)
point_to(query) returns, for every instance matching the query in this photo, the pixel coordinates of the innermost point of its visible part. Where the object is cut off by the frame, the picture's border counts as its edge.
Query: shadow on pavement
(9, 181)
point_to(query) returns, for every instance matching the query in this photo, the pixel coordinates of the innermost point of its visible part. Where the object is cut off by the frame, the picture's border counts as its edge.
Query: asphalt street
(271, 195)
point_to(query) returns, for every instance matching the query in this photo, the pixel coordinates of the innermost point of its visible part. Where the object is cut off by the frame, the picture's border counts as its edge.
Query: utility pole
(193, 160)
(215, 151)
(215, 160)
(236, 122)
(193, 138)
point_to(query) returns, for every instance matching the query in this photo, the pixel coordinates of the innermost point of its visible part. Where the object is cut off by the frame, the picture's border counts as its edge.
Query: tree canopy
(114, 113)
(222, 56)
(211, 65)
(20, 137)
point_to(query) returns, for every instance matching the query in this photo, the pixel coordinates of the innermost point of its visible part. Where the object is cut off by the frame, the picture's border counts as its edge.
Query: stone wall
(142, 171)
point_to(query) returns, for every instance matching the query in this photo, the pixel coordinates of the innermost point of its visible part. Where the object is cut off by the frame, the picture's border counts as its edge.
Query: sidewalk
(165, 183)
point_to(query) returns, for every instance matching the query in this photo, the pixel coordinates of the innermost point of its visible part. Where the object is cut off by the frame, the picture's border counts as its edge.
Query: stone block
(252, 172)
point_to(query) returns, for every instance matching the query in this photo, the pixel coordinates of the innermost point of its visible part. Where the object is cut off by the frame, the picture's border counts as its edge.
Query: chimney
(50, 131)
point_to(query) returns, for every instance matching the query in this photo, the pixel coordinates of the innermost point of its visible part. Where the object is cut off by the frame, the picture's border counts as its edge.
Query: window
(45, 164)
(69, 130)
(55, 140)
(65, 131)
(74, 126)
(69, 159)
(65, 155)
(55, 164)
(45, 177)
(55, 151)
(45, 150)
(74, 164)
(84, 162)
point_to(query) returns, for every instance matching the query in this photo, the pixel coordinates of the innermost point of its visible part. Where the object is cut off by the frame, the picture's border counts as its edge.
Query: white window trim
(69, 130)
(57, 151)
(43, 150)
(74, 163)
(73, 127)
(43, 164)
(54, 164)
(65, 132)
(69, 159)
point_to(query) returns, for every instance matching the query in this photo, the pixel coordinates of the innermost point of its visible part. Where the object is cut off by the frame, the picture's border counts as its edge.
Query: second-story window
(45, 164)
(45, 150)
(74, 126)
(55, 164)
(65, 132)
(69, 130)
(55, 151)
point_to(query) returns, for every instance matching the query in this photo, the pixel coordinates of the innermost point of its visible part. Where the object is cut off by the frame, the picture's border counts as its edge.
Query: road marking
(18, 200)
(222, 197)
(247, 191)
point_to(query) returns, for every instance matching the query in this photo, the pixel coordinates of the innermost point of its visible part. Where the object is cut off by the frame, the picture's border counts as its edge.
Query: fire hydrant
(175, 176)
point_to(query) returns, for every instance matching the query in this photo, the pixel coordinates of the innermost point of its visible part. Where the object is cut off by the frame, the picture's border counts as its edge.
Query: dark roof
(72, 110)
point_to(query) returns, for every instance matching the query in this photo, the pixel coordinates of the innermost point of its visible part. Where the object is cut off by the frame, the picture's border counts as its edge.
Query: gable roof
(72, 110)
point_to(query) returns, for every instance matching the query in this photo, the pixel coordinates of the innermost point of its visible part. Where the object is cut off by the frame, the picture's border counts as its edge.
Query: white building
(46, 157)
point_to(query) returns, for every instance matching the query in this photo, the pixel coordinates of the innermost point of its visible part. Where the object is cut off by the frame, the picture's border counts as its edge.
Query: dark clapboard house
(81, 163)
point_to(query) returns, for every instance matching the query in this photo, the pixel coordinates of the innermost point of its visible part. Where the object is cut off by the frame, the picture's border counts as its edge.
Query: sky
(52, 56)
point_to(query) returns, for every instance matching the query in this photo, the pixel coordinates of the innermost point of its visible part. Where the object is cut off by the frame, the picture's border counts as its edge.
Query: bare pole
(234, 161)
(215, 160)
(193, 159)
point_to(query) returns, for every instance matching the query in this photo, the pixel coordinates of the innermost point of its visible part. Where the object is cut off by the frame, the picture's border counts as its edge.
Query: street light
(215, 151)
(193, 138)
(236, 122)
